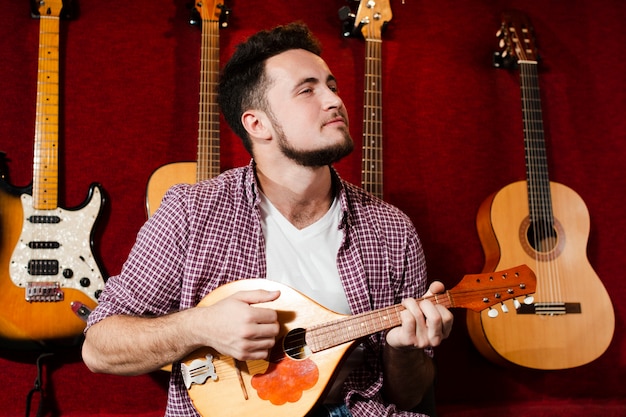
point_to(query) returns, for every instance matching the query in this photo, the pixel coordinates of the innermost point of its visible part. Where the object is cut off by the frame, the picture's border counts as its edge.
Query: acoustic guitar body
(163, 178)
(573, 320)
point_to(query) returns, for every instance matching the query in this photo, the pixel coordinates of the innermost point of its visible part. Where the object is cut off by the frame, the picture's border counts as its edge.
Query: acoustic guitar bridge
(550, 309)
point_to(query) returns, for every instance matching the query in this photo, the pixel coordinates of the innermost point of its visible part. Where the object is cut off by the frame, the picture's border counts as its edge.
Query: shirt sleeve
(150, 280)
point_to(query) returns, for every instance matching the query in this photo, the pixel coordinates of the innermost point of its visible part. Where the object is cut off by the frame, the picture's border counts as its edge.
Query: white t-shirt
(305, 259)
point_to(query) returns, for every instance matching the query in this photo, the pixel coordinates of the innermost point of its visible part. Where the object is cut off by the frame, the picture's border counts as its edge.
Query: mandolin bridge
(198, 371)
(549, 309)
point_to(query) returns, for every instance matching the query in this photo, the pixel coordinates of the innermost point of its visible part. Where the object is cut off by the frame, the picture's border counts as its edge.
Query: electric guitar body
(41, 285)
(544, 225)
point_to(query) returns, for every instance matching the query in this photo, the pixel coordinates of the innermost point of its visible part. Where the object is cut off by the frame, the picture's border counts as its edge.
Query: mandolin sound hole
(542, 240)
(294, 344)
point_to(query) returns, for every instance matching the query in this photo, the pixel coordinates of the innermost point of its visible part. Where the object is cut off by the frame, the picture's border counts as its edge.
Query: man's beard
(317, 157)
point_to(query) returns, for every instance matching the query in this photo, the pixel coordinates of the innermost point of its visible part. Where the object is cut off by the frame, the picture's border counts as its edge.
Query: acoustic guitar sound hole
(541, 240)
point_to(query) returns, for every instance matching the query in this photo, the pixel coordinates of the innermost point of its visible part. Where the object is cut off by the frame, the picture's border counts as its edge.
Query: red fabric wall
(452, 136)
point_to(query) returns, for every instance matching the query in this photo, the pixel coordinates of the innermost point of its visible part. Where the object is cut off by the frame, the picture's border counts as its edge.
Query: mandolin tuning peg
(516, 303)
(529, 300)
(504, 308)
(493, 313)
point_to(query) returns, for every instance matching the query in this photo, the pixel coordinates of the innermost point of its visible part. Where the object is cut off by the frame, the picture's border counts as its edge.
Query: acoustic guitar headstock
(210, 11)
(517, 40)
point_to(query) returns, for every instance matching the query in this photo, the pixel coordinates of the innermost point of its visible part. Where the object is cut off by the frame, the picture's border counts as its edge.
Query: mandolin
(213, 16)
(311, 345)
(47, 266)
(545, 225)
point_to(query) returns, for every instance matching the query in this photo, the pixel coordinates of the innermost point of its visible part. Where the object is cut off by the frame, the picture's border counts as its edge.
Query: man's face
(309, 119)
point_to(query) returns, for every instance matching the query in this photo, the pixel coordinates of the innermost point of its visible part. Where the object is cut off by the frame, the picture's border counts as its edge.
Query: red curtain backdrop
(452, 133)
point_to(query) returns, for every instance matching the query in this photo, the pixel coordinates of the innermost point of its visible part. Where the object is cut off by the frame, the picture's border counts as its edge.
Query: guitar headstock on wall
(210, 10)
(517, 41)
(370, 20)
(65, 9)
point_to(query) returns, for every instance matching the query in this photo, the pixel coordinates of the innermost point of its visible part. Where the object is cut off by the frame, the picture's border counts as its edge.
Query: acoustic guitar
(370, 21)
(312, 343)
(545, 225)
(213, 16)
(47, 266)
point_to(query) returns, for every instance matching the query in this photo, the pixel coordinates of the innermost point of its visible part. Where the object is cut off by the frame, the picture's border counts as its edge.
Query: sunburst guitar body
(49, 277)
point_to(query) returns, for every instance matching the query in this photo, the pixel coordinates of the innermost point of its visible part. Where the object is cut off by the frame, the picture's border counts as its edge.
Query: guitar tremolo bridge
(43, 292)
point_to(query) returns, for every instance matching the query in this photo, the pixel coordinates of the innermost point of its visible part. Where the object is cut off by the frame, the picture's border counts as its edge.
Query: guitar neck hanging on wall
(370, 22)
(211, 16)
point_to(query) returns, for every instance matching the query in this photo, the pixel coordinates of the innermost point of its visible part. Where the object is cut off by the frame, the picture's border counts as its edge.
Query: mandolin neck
(326, 335)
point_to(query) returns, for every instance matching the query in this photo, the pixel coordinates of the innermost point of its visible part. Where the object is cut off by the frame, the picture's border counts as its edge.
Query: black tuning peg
(224, 15)
(348, 22)
(195, 19)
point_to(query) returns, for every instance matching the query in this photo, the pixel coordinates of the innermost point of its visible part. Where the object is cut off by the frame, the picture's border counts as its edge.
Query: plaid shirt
(207, 234)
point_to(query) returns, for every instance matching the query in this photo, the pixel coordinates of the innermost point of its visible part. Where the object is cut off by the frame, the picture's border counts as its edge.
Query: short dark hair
(243, 82)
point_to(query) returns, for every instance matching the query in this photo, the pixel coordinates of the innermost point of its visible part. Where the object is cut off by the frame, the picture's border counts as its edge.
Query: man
(287, 217)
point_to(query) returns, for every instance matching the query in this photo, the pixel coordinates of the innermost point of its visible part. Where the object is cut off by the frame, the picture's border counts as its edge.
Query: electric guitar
(370, 21)
(545, 225)
(213, 16)
(311, 344)
(47, 269)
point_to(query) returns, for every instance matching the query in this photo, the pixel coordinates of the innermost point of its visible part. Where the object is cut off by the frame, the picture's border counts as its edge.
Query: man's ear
(256, 124)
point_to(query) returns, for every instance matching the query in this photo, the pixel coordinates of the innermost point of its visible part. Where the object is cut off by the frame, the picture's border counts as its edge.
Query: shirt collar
(253, 194)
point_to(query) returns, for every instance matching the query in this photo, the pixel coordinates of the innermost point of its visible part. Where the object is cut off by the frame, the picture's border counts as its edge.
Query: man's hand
(235, 327)
(424, 323)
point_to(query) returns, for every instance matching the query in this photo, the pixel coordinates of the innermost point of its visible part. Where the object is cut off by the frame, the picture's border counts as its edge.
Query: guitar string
(226, 368)
(337, 331)
(372, 119)
(539, 186)
(209, 133)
